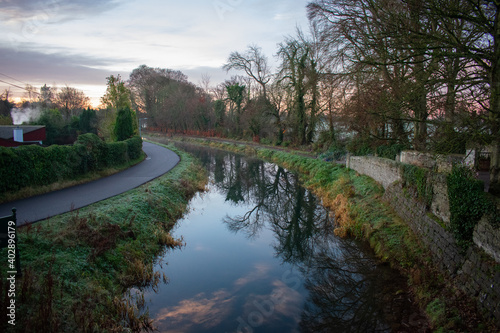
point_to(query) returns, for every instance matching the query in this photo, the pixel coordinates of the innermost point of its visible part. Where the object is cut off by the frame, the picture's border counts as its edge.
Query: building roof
(7, 131)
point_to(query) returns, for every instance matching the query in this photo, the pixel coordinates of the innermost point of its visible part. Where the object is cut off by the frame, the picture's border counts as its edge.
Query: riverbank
(77, 266)
(360, 212)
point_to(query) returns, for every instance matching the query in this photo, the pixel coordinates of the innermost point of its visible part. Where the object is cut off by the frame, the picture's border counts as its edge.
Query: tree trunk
(495, 109)
(419, 105)
(420, 109)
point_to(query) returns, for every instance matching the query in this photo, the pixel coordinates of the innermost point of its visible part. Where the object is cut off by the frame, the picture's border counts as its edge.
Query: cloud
(54, 10)
(61, 67)
(216, 74)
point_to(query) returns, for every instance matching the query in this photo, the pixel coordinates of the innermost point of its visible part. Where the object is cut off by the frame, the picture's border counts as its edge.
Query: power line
(23, 88)
(10, 77)
(11, 84)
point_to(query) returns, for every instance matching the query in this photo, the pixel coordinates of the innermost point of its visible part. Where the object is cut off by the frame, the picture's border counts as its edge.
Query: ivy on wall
(418, 179)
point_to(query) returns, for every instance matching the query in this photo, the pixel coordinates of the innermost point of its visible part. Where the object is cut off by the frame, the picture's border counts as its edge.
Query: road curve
(159, 161)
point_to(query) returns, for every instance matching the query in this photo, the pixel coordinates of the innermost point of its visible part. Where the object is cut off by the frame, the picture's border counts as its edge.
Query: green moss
(436, 311)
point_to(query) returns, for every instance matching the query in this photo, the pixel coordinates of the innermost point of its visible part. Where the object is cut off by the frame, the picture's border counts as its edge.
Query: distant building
(19, 135)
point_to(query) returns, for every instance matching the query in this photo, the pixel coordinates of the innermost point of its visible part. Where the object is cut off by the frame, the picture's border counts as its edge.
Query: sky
(79, 43)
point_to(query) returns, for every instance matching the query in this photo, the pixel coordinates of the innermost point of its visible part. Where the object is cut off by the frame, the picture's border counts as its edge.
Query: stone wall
(439, 241)
(383, 170)
(387, 172)
(475, 273)
(440, 205)
(439, 163)
(488, 238)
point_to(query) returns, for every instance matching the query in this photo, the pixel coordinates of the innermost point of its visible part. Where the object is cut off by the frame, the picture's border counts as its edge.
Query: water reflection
(276, 198)
(316, 282)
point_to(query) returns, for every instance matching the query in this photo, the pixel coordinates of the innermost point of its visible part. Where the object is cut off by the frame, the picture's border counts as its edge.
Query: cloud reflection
(201, 310)
(260, 271)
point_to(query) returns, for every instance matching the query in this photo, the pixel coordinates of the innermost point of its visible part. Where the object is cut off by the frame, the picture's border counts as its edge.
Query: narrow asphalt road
(159, 161)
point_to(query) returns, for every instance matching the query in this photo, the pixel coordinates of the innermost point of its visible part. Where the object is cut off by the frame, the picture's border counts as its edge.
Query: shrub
(468, 203)
(117, 153)
(390, 151)
(418, 179)
(334, 154)
(96, 150)
(9, 170)
(360, 146)
(134, 147)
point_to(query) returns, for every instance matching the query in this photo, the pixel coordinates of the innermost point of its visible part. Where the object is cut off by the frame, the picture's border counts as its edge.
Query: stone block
(382, 170)
(488, 238)
(440, 205)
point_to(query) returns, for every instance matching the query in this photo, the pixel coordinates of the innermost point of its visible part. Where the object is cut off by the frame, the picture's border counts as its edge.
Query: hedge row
(37, 166)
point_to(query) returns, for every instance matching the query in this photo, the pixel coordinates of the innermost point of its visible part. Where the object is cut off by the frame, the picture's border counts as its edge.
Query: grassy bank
(360, 212)
(77, 266)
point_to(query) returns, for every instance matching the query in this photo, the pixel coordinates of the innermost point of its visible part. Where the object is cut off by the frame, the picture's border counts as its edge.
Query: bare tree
(70, 100)
(205, 82)
(426, 51)
(254, 63)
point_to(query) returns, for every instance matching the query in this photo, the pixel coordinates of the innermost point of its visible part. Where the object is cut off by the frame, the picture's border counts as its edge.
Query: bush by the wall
(468, 203)
(37, 166)
(390, 151)
(360, 146)
(419, 179)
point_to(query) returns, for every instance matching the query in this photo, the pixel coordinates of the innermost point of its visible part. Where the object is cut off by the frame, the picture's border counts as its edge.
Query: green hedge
(37, 166)
(134, 147)
(117, 153)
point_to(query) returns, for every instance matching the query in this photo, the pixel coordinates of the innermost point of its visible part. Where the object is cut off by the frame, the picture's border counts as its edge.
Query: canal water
(260, 256)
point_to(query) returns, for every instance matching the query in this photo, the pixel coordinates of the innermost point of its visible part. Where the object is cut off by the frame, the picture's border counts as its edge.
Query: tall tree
(254, 63)
(88, 121)
(70, 100)
(117, 95)
(371, 37)
(479, 42)
(150, 88)
(298, 69)
(124, 126)
(235, 93)
(46, 96)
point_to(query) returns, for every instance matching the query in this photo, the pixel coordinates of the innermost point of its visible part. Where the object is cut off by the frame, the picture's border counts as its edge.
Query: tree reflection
(344, 293)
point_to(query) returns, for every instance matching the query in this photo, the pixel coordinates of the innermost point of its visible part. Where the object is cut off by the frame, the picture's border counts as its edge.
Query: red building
(18, 135)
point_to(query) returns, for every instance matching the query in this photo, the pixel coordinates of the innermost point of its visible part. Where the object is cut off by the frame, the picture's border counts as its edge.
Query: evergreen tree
(124, 126)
